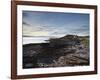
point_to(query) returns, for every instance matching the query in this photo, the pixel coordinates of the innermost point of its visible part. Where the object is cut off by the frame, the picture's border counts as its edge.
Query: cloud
(84, 28)
(54, 24)
(54, 31)
(35, 31)
(25, 23)
(25, 14)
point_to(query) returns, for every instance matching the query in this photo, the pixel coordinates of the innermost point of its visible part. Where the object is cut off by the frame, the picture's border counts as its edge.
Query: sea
(28, 40)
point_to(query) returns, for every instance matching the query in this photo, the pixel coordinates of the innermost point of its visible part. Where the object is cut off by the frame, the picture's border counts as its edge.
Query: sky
(54, 24)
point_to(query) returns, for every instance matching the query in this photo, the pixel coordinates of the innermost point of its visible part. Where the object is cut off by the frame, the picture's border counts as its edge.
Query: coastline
(56, 54)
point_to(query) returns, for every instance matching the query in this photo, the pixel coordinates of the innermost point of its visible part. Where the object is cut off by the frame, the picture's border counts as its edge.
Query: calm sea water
(27, 40)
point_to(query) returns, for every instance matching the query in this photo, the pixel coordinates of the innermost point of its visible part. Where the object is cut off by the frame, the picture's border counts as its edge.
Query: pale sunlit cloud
(34, 31)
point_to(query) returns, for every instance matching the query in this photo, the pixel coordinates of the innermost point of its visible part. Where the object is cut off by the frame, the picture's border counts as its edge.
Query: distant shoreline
(41, 39)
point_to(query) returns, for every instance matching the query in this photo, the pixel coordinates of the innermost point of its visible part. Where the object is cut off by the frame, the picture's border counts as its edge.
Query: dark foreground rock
(52, 55)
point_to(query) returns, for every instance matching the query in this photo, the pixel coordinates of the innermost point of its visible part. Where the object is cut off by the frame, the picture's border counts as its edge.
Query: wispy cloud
(54, 24)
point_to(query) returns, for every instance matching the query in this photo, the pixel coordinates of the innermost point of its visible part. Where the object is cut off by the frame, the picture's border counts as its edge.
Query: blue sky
(55, 24)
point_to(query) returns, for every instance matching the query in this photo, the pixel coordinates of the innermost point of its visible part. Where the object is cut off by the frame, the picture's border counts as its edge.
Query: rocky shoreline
(55, 54)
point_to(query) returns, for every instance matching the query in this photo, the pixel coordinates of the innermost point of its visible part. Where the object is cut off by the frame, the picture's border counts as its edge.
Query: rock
(65, 51)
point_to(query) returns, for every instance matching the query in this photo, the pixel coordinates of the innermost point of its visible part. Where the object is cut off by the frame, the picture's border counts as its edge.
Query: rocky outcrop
(56, 54)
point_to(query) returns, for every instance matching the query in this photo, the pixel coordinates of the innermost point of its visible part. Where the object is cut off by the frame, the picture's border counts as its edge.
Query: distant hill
(67, 40)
